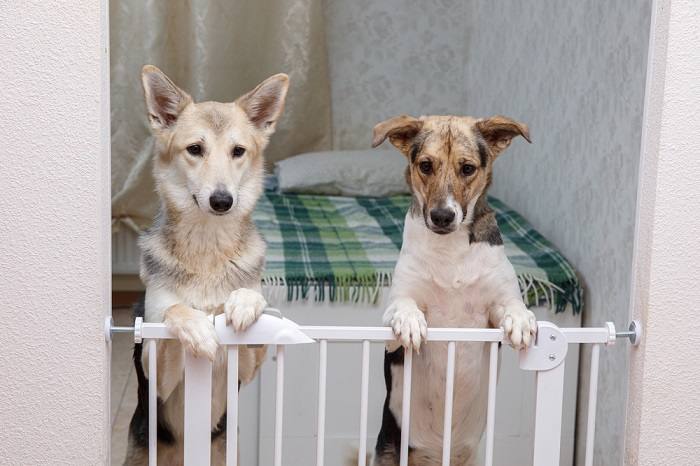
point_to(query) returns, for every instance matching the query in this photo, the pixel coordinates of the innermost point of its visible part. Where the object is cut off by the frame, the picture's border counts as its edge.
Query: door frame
(662, 424)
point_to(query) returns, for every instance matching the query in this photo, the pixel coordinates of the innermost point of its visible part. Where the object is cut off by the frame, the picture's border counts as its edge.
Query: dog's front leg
(195, 333)
(407, 321)
(243, 307)
(194, 329)
(507, 309)
(516, 320)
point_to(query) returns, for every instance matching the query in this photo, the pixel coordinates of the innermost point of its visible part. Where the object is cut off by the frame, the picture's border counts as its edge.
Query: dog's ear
(265, 103)
(400, 130)
(499, 131)
(164, 100)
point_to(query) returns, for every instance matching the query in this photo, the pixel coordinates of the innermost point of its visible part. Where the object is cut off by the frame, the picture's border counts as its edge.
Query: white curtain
(216, 50)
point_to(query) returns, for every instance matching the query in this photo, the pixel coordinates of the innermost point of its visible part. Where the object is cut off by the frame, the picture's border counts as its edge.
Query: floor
(123, 384)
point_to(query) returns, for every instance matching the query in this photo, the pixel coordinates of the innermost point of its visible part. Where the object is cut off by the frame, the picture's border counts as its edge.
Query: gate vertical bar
(592, 401)
(406, 405)
(362, 453)
(152, 403)
(491, 409)
(550, 396)
(232, 407)
(321, 429)
(449, 393)
(198, 372)
(279, 405)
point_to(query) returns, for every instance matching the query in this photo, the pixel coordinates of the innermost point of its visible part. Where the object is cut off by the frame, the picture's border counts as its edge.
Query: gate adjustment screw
(552, 357)
(553, 337)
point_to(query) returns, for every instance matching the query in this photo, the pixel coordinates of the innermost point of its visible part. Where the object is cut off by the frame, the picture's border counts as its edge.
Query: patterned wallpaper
(574, 72)
(393, 57)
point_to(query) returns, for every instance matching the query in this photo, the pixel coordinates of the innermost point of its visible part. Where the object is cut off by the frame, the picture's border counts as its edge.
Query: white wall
(54, 233)
(574, 71)
(663, 425)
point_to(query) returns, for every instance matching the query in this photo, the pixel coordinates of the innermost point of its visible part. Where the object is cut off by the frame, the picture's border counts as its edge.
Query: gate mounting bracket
(548, 351)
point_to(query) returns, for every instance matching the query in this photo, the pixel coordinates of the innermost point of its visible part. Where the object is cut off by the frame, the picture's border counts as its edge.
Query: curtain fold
(216, 51)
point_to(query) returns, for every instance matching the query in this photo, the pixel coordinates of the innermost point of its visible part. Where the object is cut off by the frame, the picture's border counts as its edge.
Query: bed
(344, 249)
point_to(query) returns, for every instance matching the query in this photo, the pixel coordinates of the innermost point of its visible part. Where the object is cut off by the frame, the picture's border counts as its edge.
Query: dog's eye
(238, 151)
(194, 149)
(426, 167)
(468, 169)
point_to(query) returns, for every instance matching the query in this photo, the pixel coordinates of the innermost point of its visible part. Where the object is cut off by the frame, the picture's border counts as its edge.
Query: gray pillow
(374, 173)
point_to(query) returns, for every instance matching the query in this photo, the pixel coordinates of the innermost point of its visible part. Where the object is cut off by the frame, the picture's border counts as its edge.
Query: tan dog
(203, 256)
(452, 272)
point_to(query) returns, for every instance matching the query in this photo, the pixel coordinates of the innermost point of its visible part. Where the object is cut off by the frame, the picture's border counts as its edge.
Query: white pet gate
(546, 358)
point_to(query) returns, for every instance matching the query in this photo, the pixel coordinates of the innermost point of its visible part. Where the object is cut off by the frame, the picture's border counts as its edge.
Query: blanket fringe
(366, 289)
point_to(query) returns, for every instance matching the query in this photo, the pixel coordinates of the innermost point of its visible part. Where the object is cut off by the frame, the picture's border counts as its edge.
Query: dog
(452, 271)
(203, 256)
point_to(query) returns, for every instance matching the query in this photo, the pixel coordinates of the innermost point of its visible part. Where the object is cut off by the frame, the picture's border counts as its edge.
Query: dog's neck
(202, 241)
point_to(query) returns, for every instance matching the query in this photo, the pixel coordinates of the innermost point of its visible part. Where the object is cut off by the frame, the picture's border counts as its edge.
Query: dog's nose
(220, 201)
(441, 217)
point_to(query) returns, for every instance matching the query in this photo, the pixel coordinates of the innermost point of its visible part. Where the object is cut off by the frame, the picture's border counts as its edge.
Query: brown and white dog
(452, 272)
(203, 256)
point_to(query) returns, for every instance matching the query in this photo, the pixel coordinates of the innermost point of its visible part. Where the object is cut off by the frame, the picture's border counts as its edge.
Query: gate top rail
(272, 329)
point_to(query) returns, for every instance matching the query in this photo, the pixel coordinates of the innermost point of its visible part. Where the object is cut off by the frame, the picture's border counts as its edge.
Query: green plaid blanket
(345, 249)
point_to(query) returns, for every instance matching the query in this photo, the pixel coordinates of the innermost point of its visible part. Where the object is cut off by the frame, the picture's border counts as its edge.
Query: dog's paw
(196, 333)
(519, 325)
(243, 307)
(408, 323)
